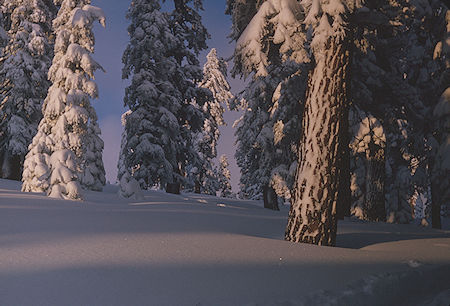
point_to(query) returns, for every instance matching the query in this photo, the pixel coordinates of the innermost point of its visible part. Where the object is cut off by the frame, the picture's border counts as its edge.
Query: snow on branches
(67, 148)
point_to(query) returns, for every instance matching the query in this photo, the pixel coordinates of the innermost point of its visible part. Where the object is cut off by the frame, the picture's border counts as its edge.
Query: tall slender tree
(224, 178)
(191, 35)
(161, 60)
(59, 156)
(24, 67)
(271, 48)
(214, 80)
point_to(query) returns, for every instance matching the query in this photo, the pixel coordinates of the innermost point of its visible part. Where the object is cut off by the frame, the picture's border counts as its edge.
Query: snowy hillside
(202, 250)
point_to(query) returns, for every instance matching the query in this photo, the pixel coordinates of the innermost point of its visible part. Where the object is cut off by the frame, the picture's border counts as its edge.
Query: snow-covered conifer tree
(60, 157)
(224, 178)
(24, 67)
(394, 79)
(161, 62)
(214, 79)
(186, 26)
(128, 186)
(271, 46)
(367, 166)
(151, 127)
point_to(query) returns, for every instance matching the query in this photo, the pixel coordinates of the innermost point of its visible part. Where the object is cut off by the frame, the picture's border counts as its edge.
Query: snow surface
(202, 250)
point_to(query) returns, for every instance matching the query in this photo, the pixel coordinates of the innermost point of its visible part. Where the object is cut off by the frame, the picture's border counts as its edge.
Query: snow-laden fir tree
(367, 145)
(271, 47)
(128, 186)
(150, 129)
(241, 12)
(161, 61)
(224, 178)
(394, 79)
(24, 65)
(254, 137)
(286, 116)
(214, 80)
(267, 133)
(191, 35)
(412, 82)
(59, 160)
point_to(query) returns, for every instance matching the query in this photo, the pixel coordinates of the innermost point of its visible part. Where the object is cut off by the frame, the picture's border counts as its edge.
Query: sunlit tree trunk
(312, 218)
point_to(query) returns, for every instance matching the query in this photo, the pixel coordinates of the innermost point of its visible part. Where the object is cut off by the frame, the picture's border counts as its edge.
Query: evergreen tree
(186, 25)
(367, 166)
(255, 150)
(271, 46)
(224, 178)
(59, 158)
(242, 12)
(214, 80)
(393, 70)
(161, 62)
(128, 186)
(24, 67)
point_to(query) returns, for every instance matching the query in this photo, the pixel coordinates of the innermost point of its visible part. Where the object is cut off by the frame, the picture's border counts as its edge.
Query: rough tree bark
(344, 202)
(312, 218)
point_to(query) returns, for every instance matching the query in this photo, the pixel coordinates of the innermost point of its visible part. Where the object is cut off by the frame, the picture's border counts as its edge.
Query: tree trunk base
(173, 188)
(270, 198)
(197, 187)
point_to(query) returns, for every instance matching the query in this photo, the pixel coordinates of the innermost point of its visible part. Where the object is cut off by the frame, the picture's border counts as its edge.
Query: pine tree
(393, 70)
(24, 67)
(128, 186)
(255, 150)
(161, 62)
(224, 178)
(214, 80)
(271, 46)
(59, 158)
(242, 12)
(186, 25)
(367, 166)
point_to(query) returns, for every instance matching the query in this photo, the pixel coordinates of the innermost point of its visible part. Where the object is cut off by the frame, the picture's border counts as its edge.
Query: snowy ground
(201, 250)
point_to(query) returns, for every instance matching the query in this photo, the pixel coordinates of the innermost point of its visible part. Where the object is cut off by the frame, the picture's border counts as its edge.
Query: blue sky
(110, 44)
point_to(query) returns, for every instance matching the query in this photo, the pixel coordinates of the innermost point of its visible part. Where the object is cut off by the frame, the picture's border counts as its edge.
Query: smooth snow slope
(202, 250)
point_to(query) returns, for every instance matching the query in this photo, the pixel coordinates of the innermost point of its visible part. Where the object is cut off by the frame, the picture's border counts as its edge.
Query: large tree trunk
(312, 218)
(374, 207)
(270, 198)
